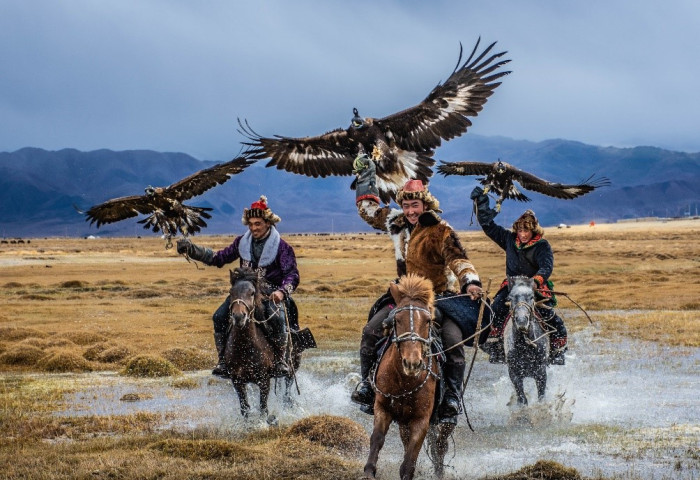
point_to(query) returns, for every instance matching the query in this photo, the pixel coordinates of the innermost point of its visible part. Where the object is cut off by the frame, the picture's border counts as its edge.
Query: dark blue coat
(532, 259)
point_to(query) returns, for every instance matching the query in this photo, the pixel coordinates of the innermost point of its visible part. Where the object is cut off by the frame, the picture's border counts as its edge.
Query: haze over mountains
(38, 188)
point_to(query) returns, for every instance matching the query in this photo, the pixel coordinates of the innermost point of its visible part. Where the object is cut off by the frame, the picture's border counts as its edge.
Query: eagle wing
(465, 168)
(443, 114)
(120, 208)
(203, 180)
(329, 154)
(556, 190)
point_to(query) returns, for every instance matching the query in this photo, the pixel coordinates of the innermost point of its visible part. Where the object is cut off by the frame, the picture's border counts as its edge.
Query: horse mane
(250, 275)
(521, 281)
(418, 288)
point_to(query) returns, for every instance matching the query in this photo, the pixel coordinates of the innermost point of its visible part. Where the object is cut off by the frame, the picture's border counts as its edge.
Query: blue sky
(175, 75)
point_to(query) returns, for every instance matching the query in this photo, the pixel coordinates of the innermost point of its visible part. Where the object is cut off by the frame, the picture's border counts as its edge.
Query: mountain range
(40, 189)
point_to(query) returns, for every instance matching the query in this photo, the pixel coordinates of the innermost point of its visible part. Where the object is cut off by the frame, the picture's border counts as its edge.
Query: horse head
(412, 320)
(244, 296)
(522, 302)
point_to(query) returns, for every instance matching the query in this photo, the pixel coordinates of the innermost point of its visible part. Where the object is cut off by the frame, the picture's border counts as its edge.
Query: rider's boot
(494, 347)
(557, 347)
(220, 368)
(452, 376)
(364, 393)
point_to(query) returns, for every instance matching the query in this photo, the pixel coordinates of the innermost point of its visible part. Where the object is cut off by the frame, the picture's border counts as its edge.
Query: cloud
(175, 75)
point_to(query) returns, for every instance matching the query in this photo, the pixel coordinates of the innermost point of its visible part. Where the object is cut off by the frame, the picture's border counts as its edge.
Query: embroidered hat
(415, 190)
(259, 209)
(528, 221)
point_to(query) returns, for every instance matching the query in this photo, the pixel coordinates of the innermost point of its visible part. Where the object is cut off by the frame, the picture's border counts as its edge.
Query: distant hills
(38, 188)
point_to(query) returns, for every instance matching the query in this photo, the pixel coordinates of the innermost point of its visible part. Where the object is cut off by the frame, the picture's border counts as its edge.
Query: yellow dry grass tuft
(199, 450)
(64, 361)
(542, 470)
(149, 366)
(337, 433)
(19, 333)
(25, 355)
(189, 358)
(83, 338)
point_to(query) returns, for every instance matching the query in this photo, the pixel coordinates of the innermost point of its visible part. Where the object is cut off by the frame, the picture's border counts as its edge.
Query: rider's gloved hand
(484, 214)
(183, 246)
(476, 193)
(366, 187)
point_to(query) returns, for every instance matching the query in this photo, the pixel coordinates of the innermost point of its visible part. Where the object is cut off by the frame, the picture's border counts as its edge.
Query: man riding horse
(262, 249)
(527, 254)
(425, 245)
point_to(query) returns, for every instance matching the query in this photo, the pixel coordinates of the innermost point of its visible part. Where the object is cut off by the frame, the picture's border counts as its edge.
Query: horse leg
(517, 380)
(440, 435)
(541, 382)
(264, 386)
(382, 422)
(287, 400)
(242, 398)
(415, 434)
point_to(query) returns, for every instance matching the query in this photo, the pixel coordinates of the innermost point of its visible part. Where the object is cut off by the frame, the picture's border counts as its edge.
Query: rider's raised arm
(367, 194)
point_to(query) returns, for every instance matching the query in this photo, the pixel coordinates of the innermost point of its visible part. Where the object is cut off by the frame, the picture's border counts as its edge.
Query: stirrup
(363, 394)
(449, 407)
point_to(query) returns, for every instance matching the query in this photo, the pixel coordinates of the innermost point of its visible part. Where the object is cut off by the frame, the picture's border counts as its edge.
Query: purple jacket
(278, 263)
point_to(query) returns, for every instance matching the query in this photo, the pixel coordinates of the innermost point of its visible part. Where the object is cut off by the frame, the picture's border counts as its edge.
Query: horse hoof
(272, 421)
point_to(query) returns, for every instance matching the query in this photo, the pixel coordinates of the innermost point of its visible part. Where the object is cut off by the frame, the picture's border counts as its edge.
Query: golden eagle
(499, 178)
(164, 206)
(401, 144)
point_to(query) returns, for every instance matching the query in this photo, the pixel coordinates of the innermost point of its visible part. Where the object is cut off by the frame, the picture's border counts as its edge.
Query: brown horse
(248, 353)
(406, 379)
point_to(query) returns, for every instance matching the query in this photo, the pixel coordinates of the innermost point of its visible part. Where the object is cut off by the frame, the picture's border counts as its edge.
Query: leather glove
(195, 252)
(484, 214)
(366, 187)
(183, 245)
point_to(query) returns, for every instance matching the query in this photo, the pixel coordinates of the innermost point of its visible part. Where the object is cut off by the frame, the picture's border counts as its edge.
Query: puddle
(616, 409)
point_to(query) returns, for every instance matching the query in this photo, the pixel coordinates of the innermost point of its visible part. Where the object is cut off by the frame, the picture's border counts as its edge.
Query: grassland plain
(114, 304)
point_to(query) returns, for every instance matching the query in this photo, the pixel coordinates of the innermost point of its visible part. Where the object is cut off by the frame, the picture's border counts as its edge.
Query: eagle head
(357, 121)
(500, 167)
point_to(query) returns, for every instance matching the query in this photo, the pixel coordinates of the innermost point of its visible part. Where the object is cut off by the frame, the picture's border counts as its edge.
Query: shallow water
(627, 409)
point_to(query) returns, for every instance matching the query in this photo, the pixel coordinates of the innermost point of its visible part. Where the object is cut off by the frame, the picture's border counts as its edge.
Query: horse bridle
(411, 335)
(532, 312)
(249, 311)
(406, 337)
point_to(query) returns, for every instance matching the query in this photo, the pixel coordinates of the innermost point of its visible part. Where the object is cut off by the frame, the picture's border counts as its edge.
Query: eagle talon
(377, 153)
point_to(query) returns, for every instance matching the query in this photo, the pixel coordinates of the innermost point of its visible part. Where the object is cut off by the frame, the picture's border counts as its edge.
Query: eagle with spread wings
(164, 206)
(402, 145)
(499, 177)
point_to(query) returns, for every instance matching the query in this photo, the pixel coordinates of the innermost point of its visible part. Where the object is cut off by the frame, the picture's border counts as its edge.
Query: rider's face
(258, 227)
(524, 235)
(412, 209)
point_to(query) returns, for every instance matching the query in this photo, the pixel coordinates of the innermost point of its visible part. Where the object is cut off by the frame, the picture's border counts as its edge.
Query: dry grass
(134, 295)
(73, 305)
(149, 366)
(542, 470)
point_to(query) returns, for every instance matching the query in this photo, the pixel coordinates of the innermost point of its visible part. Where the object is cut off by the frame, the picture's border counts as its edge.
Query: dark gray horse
(525, 342)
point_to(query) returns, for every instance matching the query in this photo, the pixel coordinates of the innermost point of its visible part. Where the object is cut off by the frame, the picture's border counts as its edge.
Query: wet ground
(626, 410)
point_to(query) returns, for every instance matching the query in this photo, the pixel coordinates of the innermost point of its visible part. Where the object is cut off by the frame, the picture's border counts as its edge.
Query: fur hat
(415, 190)
(528, 220)
(259, 209)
